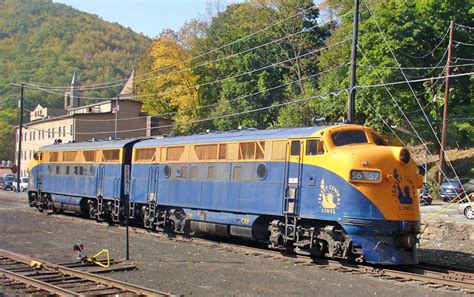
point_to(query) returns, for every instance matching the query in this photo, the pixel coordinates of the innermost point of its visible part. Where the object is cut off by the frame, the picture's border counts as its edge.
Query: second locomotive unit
(335, 191)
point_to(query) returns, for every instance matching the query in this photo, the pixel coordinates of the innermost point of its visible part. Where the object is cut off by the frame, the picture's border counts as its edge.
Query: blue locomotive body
(295, 189)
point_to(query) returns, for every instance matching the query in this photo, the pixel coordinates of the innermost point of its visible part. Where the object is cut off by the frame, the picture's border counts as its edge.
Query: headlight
(405, 156)
(365, 175)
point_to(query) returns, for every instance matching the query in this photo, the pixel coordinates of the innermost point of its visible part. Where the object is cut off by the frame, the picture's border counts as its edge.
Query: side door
(294, 166)
(152, 184)
(100, 180)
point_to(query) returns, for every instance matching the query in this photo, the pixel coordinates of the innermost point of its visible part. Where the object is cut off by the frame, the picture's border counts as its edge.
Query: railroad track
(434, 276)
(24, 275)
(424, 274)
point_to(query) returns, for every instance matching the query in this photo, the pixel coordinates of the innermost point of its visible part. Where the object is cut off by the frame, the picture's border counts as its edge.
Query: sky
(149, 17)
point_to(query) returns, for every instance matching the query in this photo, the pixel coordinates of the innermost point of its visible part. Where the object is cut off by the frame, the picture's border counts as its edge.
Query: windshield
(24, 179)
(349, 137)
(9, 178)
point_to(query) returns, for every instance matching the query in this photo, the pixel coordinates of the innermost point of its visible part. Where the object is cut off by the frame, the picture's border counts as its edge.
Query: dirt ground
(180, 267)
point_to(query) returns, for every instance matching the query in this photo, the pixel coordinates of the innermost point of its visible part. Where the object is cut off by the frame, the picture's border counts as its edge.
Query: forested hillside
(42, 42)
(235, 71)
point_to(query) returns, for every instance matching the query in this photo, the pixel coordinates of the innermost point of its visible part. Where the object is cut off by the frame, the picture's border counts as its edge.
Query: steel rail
(425, 273)
(37, 283)
(131, 288)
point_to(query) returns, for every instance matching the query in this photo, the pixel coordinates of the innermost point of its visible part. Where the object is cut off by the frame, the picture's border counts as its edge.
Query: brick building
(120, 117)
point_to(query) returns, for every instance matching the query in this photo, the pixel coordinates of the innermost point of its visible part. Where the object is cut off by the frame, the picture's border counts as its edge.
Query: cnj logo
(329, 198)
(403, 190)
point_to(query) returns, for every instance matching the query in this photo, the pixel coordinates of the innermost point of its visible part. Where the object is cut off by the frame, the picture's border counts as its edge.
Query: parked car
(10, 182)
(2, 183)
(466, 208)
(426, 196)
(23, 184)
(450, 189)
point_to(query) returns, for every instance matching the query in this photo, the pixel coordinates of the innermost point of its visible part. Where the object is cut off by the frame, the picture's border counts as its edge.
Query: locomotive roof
(237, 135)
(98, 144)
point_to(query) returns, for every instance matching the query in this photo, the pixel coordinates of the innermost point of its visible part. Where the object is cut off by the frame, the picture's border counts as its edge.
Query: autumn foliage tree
(171, 90)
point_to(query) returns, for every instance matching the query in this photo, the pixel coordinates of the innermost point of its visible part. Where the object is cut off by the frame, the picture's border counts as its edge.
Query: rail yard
(204, 266)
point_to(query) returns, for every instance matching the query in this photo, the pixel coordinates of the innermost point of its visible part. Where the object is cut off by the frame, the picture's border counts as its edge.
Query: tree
(240, 86)
(412, 29)
(171, 90)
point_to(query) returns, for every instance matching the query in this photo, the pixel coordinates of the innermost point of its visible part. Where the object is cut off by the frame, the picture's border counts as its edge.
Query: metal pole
(445, 110)
(20, 138)
(116, 116)
(352, 91)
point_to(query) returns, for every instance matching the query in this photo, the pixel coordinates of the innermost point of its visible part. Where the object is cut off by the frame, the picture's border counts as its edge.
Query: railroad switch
(79, 247)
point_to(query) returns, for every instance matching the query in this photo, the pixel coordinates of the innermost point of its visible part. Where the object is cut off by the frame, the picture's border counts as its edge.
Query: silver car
(467, 208)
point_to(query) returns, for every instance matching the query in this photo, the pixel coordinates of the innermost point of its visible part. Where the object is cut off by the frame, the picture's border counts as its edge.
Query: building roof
(237, 135)
(128, 88)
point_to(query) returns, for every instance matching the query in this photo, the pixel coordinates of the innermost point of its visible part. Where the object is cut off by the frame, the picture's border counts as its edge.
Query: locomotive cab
(370, 192)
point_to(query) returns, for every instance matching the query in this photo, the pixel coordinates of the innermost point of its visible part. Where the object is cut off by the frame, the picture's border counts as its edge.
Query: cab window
(295, 148)
(349, 137)
(314, 147)
(378, 140)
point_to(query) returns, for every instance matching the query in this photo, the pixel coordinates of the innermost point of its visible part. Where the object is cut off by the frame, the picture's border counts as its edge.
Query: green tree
(412, 29)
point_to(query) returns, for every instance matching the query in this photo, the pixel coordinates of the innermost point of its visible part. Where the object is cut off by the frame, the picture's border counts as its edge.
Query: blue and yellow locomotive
(336, 191)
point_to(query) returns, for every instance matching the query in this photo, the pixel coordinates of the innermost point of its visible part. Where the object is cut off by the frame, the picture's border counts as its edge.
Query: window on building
(174, 153)
(71, 130)
(52, 132)
(59, 133)
(110, 155)
(64, 131)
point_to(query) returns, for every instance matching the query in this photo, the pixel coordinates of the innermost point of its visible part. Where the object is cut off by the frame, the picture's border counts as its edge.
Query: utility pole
(20, 138)
(445, 110)
(352, 91)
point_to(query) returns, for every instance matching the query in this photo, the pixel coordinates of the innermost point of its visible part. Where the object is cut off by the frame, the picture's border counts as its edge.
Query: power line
(335, 93)
(409, 85)
(207, 83)
(464, 26)
(414, 68)
(412, 81)
(427, 54)
(306, 30)
(401, 110)
(462, 59)
(210, 51)
(217, 103)
(463, 43)
(226, 101)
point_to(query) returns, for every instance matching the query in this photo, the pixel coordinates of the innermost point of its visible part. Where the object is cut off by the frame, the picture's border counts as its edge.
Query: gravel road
(180, 267)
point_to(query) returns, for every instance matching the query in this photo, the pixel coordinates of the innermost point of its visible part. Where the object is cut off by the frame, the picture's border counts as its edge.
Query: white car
(23, 184)
(467, 208)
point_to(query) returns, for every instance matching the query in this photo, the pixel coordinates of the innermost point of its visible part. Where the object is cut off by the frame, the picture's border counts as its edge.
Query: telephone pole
(20, 138)
(445, 110)
(352, 91)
